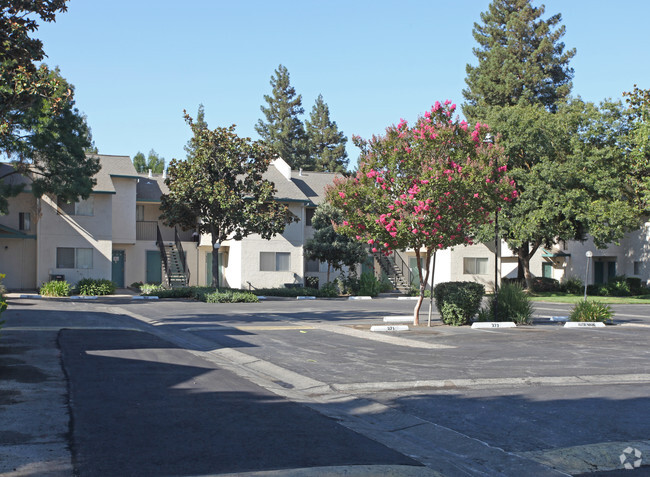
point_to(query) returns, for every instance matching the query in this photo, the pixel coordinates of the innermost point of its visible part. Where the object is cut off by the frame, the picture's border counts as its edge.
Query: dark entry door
(117, 271)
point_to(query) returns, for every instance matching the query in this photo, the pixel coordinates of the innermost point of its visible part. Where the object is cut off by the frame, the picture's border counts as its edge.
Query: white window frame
(24, 221)
(83, 258)
(275, 261)
(84, 208)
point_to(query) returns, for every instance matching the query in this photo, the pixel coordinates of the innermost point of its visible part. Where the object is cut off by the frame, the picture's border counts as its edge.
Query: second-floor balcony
(146, 230)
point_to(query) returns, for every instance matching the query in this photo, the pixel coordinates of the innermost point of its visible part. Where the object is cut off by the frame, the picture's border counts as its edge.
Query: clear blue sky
(138, 64)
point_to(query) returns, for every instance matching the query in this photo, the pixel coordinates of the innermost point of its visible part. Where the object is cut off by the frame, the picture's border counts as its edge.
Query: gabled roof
(112, 166)
(13, 179)
(291, 186)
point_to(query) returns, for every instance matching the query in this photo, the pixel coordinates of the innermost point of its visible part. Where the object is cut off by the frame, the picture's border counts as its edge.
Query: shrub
(55, 288)
(95, 286)
(369, 285)
(149, 289)
(228, 296)
(3, 289)
(136, 285)
(573, 285)
(543, 284)
(618, 286)
(591, 311)
(513, 304)
(329, 290)
(466, 296)
(634, 283)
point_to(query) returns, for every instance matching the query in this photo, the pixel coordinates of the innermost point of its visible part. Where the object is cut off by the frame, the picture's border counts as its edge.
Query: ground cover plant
(55, 288)
(588, 310)
(95, 287)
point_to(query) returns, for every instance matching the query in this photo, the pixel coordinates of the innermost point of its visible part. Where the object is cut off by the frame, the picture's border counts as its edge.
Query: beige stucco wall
(24, 202)
(123, 210)
(94, 232)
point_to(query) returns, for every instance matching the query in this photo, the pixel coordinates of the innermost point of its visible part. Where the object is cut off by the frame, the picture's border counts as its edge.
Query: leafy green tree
(220, 189)
(140, 162)
(42, 134)
(326, 143)
(521, 59)
(282, 128)
(329, 246)
(638, 142)
(424, 188)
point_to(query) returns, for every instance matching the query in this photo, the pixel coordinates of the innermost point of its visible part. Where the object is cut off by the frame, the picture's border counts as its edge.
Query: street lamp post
(589, 254)
(489, 139)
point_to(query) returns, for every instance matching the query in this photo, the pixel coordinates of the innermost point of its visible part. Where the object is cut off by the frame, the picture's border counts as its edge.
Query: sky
(138, 64)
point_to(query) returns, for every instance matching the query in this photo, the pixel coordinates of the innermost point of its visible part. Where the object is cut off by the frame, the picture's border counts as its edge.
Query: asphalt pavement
(124, 387)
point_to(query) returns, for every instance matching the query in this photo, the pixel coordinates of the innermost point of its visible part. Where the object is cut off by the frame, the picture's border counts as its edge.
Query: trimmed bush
(55, 288)
(543, 284)
(228, 296)
(591, 311)
(369, 285)
(634, 283)
(466, 298)
(148, 289)
(513, 305)
(573, 285)
(95, 286)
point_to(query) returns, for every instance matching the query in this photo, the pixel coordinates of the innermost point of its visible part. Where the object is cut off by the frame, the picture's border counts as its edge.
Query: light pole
(489, 139)
(589, 254)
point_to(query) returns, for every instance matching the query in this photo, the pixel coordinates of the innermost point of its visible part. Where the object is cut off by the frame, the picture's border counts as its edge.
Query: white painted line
(261, 297)
(398, 319)
(494, 324)
(142, 297)
(581, 324)
(407, 298)
(360, 298)
(83, 297)
(560, 318)
(30, 296)
(389, 328)
(305, 297)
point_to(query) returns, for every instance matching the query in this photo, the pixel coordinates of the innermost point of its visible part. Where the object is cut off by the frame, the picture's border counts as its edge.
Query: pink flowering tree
(424, 187)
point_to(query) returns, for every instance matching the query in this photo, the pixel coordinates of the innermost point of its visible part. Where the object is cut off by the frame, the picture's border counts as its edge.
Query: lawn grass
(559, 297)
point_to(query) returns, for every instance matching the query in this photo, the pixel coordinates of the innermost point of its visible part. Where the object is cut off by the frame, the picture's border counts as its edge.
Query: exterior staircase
(397, 271)
(177, 275)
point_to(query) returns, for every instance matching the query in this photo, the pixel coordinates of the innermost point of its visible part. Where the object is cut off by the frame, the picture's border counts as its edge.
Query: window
(313, 266)
(68, 257)
(139, 213)
(309, 216)
(83, 207)
(275, 261)
(24, 221)
(475, 266)
(637, 268)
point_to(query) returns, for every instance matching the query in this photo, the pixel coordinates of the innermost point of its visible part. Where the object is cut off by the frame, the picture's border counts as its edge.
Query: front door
(154, 267)
(118, 268)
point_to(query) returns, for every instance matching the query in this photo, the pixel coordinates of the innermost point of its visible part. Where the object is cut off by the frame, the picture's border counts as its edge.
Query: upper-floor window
(309, 215)
(24, 221)
(82, 207)
(139, 213)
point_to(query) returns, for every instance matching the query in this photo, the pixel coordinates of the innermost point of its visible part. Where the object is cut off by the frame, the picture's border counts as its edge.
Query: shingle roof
(150, 189)
(313, 184)
(116, 166)
(13, 179)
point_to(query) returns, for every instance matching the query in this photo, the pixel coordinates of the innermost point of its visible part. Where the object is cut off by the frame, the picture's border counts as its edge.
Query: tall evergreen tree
(152, 162)
(283, 130)
(521, 59)
(326, 142)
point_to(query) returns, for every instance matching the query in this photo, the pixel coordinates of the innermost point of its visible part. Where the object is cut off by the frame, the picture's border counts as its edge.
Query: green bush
(466, 296)
(573, 285)
(591, 311)
(634, 283)
(95, 287)
(329, 290)
(512, 303)
(55, 288)
(228, 296)
(543, 284)
(369, 285)
(148, 289)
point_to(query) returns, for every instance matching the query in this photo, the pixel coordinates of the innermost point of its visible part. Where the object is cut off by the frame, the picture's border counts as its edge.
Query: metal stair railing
(183, 261)
(163, 255)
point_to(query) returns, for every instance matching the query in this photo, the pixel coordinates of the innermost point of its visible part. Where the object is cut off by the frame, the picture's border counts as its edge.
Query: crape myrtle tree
(328, 245)
(220, 190)
(423, 187)
(42, 133)
(281, 127)
(326, 143)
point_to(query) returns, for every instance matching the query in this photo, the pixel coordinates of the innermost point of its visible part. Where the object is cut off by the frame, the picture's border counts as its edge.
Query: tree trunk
(524, 254)
(433, 279)
(423, 285)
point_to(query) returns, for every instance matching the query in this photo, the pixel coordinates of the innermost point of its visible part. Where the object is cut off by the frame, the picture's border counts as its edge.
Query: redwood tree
(423, 187)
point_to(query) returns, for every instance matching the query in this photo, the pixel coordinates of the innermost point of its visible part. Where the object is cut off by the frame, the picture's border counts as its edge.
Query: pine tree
(521, 59)
(326, 142)
(283, 130)
(140, 162)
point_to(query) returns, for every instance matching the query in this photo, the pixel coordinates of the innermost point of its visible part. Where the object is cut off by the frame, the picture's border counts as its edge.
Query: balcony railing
(147, 230)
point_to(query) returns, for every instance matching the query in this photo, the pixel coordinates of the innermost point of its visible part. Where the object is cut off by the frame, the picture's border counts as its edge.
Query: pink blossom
(345, 222)
(463, 125)
(436, 106)
(374, 250)
(342, 195)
